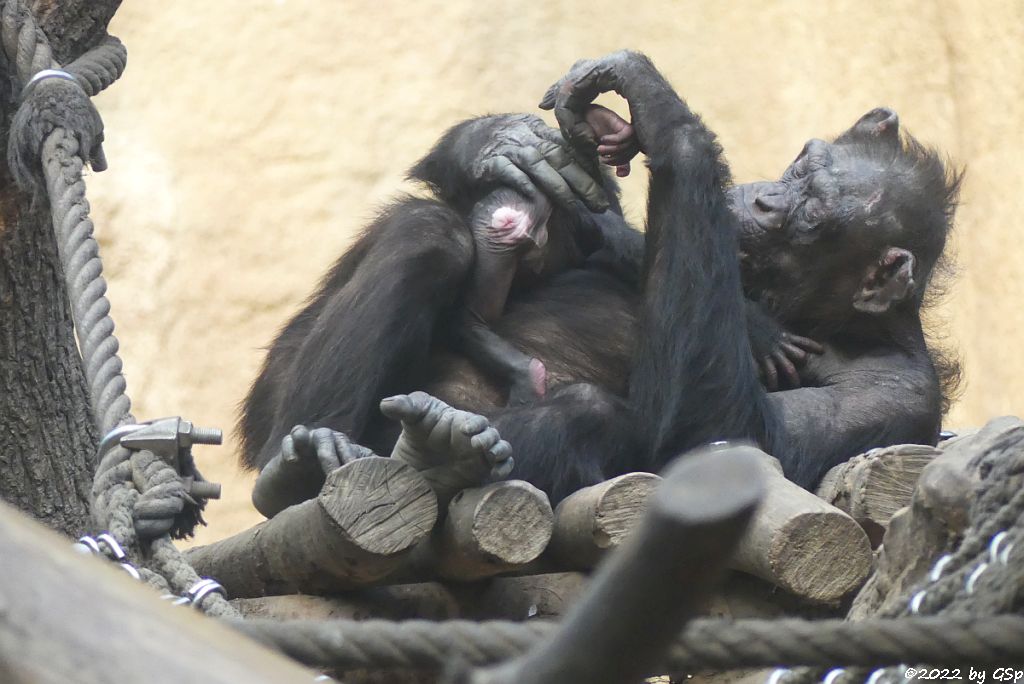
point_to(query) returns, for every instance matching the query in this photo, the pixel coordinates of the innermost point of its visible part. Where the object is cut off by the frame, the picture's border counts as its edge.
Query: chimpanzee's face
(813, 232)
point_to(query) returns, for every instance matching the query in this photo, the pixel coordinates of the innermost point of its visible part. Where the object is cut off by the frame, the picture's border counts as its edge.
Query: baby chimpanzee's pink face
(508, 219)
(513, 226)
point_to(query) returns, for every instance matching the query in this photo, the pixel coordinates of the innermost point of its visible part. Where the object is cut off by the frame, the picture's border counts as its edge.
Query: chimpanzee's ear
(886, 283)
(881, 124)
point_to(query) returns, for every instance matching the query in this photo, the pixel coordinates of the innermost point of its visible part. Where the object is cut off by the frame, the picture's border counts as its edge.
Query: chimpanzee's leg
(693, 378)
(260, 407)
(579, 436)
(362, 337)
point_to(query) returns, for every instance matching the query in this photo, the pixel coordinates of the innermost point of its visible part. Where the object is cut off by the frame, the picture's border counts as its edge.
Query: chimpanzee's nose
(814, 147)
(770, 203)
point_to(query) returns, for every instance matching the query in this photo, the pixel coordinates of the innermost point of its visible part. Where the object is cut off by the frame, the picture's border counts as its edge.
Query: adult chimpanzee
(841, 248)
(510, 232)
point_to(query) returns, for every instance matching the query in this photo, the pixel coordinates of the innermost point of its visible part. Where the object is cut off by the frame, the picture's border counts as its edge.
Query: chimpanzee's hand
(630, 74)
(516, 150)
(777, 352)
(616, 139)
(528, 155)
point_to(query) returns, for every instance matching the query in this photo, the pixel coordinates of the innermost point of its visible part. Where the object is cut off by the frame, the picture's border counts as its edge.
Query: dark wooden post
(650, 584)
(47, 435)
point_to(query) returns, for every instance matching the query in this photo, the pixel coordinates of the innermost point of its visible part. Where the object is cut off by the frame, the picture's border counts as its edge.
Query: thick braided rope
(704, 644)
(997, 586)
(83, 271)
(98, 68)
(118, 505)
(24, 42)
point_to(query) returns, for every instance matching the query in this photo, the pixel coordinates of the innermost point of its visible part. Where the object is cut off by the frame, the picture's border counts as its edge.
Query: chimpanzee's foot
(530, 386)
(453, 449)
(297, 472)
(327, 448)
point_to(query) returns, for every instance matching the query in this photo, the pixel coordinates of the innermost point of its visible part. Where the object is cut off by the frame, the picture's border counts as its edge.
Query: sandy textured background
(249, 139)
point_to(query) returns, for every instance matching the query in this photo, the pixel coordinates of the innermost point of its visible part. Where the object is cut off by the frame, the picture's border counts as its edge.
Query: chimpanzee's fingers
(288, 454)
(486, 440)
(788, 369)
(806, 343)
(473, 425)
(530, 161)
(550, 95)
(347, 450)
(409, 409)
(501, 456)
(624, 134)
(550, 98)
(326, 453)
(298, 444)
(615, 159)
(612, 148)
(771, 375)
(793, 352)
(585, 81)
(582, 183)
(502, 170)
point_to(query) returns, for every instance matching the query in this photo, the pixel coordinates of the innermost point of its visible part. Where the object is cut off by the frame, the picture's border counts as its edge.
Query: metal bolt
(199, 435)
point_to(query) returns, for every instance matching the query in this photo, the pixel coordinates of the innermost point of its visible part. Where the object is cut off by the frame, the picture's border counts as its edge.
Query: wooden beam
(65, 617)
(492, 529)
(803, 544)
(510, 598)
(646, 591)
(497, 598)
(873, 486)
(937, 517)
(368, 517)
(596, 519)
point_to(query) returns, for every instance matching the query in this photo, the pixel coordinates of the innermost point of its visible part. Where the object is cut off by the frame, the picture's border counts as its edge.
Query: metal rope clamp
(171, 439)
(90, 546)
(195, 594)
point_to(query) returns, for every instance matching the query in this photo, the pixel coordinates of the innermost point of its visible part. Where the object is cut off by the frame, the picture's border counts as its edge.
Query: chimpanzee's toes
(453, 449)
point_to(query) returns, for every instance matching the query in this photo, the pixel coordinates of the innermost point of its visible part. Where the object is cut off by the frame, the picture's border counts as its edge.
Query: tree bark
(47, 432)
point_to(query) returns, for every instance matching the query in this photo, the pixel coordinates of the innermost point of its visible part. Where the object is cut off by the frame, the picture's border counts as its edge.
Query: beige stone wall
(249, 139)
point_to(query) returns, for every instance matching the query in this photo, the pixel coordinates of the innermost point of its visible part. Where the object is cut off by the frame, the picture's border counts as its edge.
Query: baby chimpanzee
(510, 232)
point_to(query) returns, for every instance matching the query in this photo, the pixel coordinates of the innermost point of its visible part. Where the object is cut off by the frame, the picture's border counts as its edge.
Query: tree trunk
(47, 433)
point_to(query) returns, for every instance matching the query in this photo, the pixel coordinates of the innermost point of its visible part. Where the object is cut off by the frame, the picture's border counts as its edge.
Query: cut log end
(382, 505)
(622, 503)
(595, 519)
(802, 554)
(873, 486)
(512, 523)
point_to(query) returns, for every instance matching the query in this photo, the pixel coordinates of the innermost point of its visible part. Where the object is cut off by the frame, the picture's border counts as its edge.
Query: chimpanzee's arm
(863, 401)
(693, 378)
(493, 271)
(777, 352)
(621, 250)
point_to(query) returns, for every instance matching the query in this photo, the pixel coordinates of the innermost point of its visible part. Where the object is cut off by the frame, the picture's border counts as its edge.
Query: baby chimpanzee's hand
(616, 141)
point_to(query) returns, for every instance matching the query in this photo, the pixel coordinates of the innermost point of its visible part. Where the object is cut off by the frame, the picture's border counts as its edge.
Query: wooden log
(651, 584)
(497, 598)
(492, 529)
(936, 518)
(511, 598)
(873, 486)
(595, 519)
(803, 544)
(73, 618)
(489, 530)
(367, 518)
